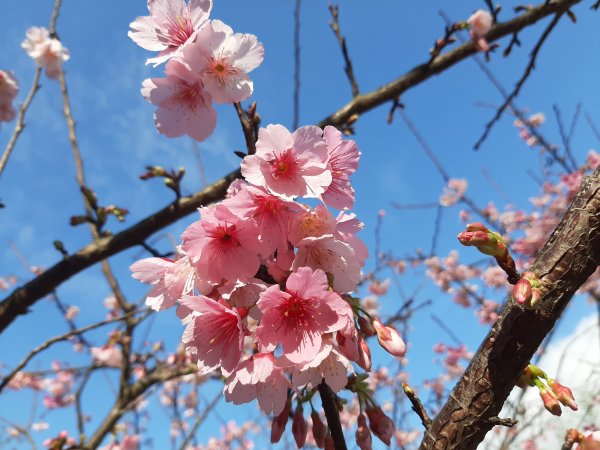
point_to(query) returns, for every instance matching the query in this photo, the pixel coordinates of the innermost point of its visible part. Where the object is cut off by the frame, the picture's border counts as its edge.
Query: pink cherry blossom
(454, 191)
(311, 222)
(271, 213)
(258, 377)
(170, 25)
(221, 245)
(108, 355)
(331, 366)
(184, 107)
(47, 52)
(480, 23)
(214, 335)
(331, 256)
(242, 294)
(9, 88)
(224, 60)
(298, 317)
(289, 164)
(346, 229)
(343, 158)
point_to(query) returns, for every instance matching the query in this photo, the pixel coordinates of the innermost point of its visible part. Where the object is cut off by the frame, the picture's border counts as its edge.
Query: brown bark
(569, 257)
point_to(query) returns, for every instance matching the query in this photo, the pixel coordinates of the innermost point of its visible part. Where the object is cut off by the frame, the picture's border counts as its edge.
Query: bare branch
(335, 27)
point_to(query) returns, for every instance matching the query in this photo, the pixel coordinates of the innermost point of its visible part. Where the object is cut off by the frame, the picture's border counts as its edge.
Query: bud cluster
(553, 393)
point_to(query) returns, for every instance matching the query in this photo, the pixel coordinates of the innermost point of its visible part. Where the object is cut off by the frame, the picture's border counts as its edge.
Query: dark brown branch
(425, 71)
(333, 416)
(417, 405)
(18, 302)
(528, 71)
(569, 257)
(335, 27)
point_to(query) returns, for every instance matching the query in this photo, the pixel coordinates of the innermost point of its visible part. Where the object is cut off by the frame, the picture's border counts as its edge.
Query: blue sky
(118, 138)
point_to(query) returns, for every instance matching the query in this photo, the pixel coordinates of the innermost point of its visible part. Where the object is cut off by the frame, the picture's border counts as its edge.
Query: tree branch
(569, 257)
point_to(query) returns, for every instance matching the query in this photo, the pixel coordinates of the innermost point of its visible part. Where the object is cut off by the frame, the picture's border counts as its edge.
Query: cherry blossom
(47, 52)
(480, 23)
(289, 164)
(343, 158)
(184, 107)
(9, 89)
(171, 25)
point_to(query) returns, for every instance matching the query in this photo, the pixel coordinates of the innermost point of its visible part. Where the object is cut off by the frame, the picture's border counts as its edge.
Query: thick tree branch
(20, 300)
(569, 257)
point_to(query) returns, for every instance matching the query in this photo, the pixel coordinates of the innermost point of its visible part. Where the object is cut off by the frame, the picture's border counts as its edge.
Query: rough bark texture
(569, 257)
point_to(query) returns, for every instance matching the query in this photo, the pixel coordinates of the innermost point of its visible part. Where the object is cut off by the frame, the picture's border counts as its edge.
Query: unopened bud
(550, 401)
(389, 339)
(381, 425)
(365, 326)
(364, 354)
(319, 429)
(363, 434)
(280, 421)
(522, 292)
(487, 242)
(299, 426)
(563, 394)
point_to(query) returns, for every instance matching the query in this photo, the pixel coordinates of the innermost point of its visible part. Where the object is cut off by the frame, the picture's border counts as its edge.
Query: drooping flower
(47, 52)
(224, 58)
(343, 158)
(170, 25)
(298, 317)
(330, 366)
(289, 164)
(258, 377)
(214, 335)
(184, 107)
(9, 88)
(222, 246)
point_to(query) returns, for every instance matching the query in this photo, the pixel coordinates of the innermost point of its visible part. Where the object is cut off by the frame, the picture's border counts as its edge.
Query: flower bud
(550, 401)
(364, 354)
(365, 326)
(299, 426)
(381, 425)
(319, 429)
(389, 339)
(522, 292)
(280, 421)
(563, 394)
(487, 242)
(363, 434)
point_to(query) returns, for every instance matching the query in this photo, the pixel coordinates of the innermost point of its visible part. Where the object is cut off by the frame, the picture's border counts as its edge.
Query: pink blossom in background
(170, 25)
(9, 89)
(47, 52)
(222, 246)
(343, 158)
(479, 24)
(298, 317)
(331, 256)
(289, 164)
(224, 58)
(454, 191)
(215, 335)
(108, 355)
(258, 377)
(184, 107)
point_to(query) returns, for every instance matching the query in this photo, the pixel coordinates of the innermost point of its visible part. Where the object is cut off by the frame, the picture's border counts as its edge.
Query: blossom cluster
(263, 282)
(48, 52)
(206, 62)
(9, 89)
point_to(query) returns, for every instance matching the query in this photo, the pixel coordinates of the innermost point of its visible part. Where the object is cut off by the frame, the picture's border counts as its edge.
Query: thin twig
(528, 70)
(564, 136)
(417, 406)
(335, 27)
(200, 420)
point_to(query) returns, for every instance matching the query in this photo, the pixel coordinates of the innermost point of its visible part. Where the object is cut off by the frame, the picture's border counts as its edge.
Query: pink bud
(563, 394)
(381, 425)
(522, 292)
(319, 429)
(365, 326)
(348, 344)
(364, 354)
(299, 426)
(363, 434)
(389, 339)
(280, 421)
(550, 401)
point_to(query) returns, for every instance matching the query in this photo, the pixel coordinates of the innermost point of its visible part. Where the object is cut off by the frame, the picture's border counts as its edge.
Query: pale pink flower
(331, 366)
(40, 426)
(258, 377)
(9, 88)
(377, 287)
(215, 334)
(346, 229)
(536, 120)
(222, 246)
(170, 25)
(343, 158)
(271, 213)
(298, 317)
(311, 222)
(47, 52)
(331, 256)
(480, 23)
(593, 160)
(242, 294)
(290, 165)
(184, 107)
(171, 280)
(108, 355)
(224, 60)
(72, 312)
(454, 191)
